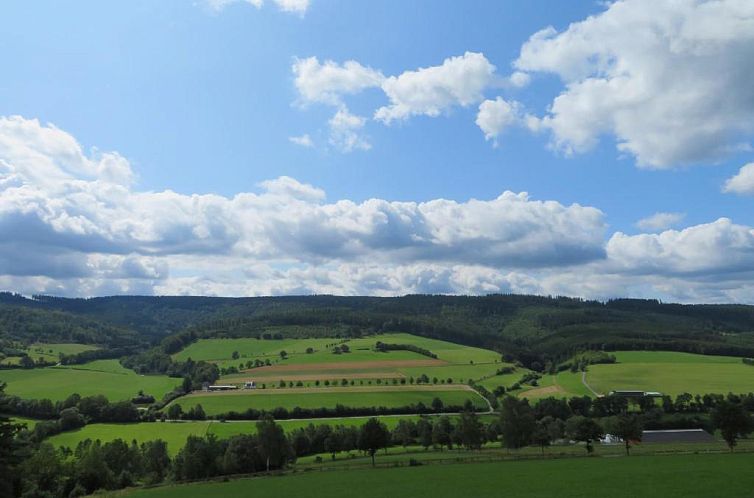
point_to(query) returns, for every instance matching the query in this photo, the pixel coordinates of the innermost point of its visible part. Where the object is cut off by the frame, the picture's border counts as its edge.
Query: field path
(344, 389)
(583, 381)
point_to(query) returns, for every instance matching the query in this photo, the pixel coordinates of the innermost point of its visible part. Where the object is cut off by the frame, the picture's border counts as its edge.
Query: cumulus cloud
(303, 140)
(329, 81)
(660, 221)
(496, 115)
(458, 81)
(742, 183)
(345, 131)
(293, 6)
(671, 81)
(72, 227)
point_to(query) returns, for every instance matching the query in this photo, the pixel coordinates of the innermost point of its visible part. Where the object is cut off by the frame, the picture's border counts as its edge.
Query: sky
(271, 147)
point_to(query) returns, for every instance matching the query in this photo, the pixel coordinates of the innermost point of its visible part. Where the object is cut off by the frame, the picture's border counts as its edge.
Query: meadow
(328, 397)
(703, 476)
(672, 373)
(49, 352)
(105, 377)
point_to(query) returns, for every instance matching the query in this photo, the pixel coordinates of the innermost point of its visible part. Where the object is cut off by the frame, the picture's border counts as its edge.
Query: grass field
(672, 373)
(175, 433)
(50, 352)
(106, 377)
(703, 476)
(323, 397)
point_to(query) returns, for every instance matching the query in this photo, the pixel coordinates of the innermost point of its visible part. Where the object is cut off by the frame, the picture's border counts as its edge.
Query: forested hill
(531, 327)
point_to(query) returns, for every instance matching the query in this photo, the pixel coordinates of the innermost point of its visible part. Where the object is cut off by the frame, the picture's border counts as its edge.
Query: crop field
(328, 397)
(703, 476)
(105, 377)
(672, 373)
(49, 352)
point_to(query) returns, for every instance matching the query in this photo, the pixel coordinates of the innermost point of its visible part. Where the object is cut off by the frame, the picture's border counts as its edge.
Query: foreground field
(703, 476)
(672, 373)
(105, 377)
(175, 433)
(324, 397)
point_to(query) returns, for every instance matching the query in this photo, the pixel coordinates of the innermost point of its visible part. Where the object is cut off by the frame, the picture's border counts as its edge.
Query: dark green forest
(531, 329)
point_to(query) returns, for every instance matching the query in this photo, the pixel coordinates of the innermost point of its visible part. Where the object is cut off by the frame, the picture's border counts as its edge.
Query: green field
(106, 377)
(175, 433)
(49, 352)
(672, 373)
(678, 476)
(268, 399)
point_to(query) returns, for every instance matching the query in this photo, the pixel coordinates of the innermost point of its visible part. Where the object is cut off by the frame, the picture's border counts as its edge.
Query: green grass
(50, 352)
(672, 373)
(678, 476)
(106, 377)
(217, 403)
(175, 433)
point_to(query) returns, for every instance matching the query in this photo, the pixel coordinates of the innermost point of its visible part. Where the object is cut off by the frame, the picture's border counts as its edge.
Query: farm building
(636, 394)
(677, 436)
(222, 387)
(250, 384)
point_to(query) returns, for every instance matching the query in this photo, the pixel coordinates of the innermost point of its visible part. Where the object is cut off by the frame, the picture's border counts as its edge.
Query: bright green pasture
(218, 403)
(672, 373)
(221, 350)
(50, 352)
(703, 476)
(106, 377)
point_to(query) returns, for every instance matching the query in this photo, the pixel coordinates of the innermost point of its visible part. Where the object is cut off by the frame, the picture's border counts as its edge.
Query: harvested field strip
(348, 365)
(345, 389)
(322, 376)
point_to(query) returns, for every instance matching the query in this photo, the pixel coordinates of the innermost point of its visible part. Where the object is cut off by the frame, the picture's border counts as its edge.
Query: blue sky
(204, 97)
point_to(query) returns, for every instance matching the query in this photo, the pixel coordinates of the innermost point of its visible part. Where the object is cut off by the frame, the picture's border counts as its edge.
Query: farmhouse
(677, 436)
(250, 384)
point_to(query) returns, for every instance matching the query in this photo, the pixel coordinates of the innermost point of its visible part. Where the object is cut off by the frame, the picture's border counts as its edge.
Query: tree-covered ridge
(533, 329)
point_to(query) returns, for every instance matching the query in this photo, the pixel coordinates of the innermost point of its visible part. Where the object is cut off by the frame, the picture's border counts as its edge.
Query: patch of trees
(748, 361)
(384, 347)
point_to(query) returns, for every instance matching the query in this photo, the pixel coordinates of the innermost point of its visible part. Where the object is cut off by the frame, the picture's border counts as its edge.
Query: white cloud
(496, 115)
(303, 140)
(76, 229)
(742, 183)
(345, 131)
(293, 6)
(672, 81)
(327, 82)
(660, 221)
(519, 79)
(458, 81)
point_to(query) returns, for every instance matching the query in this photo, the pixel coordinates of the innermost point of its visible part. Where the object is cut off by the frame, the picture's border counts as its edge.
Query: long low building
(677, 436)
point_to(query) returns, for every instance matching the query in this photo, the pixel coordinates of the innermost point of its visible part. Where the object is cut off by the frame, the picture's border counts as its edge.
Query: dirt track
(326, 390)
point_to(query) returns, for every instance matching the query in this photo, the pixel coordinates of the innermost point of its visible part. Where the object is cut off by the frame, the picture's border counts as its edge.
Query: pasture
(672, 373)
(105, 377)
(49, 352)
(328, 397)
(703, 476)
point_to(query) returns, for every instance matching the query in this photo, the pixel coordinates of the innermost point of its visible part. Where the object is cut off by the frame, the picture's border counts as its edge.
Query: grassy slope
(106, 377)
(49, 351)
(216, 403)
(703, 476)
(672, 373)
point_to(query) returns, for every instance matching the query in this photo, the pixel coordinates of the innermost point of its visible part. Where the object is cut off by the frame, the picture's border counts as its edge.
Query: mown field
(175, 433)
(329, 397)
(672, 373)
(49, 352)
(105, 377)
(686, 476)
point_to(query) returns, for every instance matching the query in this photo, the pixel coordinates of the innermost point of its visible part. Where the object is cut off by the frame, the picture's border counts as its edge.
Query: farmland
(672, 373)
(378, 396)
(105, 377)
(703, 476)
(48, 352)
